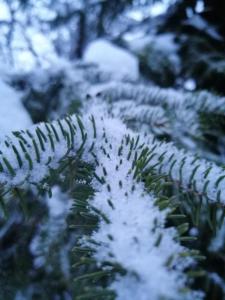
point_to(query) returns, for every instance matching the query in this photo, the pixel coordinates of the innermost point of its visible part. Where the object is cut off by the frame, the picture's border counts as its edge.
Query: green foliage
(188, 190)
(156, 65)
(204, 63)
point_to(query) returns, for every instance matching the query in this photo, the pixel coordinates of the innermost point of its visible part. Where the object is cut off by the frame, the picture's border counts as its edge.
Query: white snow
(164, 42)
(13, 115)
(133, 229)
(4, 12)
(190, 84)
(112, 58)
(153, 10)
(200, 6)
(58, 204)
(160, 8)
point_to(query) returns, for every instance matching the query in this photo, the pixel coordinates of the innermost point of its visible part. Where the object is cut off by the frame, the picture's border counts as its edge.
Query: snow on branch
(177, 114)
(191, 172)
(167, 97)
(27, 156)
(142, 94)
(132, 232)
(118, 155)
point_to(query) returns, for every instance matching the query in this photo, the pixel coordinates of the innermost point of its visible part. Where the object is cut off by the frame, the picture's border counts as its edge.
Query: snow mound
(112, 58)
(13, 115)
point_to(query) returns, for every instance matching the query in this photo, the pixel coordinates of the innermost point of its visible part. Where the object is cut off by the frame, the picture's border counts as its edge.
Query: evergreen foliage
(121, 182)
(118, 189)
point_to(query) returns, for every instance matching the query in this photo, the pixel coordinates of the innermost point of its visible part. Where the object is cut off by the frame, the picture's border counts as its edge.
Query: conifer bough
(27, 156)
(131, 221)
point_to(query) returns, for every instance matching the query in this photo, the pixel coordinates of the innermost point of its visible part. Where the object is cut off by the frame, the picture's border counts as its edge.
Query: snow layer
(112, 58)
(136, 224)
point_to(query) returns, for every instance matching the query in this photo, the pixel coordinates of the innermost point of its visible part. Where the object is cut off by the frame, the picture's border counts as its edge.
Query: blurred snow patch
(164, 42)
(200, 6)
(4, 12)
(159, 8)
(13, 115)
(57, 204)
(112, 58)
(217, 243)
(190, 84)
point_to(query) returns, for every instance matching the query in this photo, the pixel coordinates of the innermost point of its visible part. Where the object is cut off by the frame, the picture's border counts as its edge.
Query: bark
(101, 20)
(78, 49)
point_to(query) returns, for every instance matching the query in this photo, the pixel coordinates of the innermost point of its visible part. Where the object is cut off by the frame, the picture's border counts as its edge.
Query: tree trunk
(77, 51)
(101, 20)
